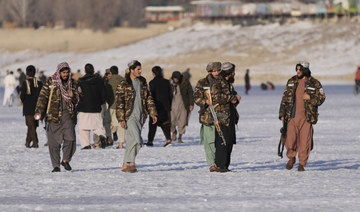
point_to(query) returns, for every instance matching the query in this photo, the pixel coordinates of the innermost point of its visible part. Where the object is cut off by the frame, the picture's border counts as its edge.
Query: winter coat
(22, 78)
(187, 93)
(200, 98)
(125, 97)
(110, 97)
(222, 94)
(55, 111)
(92, 93)
(29, 100)
(160, 89)
(114, 82)
(317, 96)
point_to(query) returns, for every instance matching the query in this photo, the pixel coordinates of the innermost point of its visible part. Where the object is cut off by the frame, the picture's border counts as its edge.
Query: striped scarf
(28, 91)
(57, 82)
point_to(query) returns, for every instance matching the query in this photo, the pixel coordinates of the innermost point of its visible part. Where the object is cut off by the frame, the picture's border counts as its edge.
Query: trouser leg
(182, 120)
(305, 139)
(291, 139)
(31, 133)
(69, 148)
(84, 137)
(152, 131)
(54, 149)
(121, 134)
(207, 136)
(166, 130)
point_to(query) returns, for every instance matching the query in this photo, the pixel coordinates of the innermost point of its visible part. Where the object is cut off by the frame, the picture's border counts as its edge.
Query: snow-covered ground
(177, 178)
(269, 51)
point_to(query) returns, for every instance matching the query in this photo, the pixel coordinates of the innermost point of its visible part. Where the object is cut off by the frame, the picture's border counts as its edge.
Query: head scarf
(56, 78)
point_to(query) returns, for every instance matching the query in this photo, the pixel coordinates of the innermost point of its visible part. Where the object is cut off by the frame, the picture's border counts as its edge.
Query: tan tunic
(299, 131)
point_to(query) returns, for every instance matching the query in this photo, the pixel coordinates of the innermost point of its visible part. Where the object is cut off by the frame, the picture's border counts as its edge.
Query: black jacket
(92, 93)
(110, 97)
(161, 92)
(29, 101)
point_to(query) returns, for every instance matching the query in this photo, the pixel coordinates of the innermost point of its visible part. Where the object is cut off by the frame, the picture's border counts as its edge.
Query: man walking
(58, 99)
(30, 91)
(225, 100)
(10, 85)
(161, 92)
(181, 106)
(118, 131)
(133, 104)
(207, 131)
(299, 105)
(247, 81)
(92, 95)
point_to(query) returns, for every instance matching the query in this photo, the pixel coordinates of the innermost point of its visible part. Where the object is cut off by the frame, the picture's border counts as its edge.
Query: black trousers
(31, 135)
(165, 126)
(223, 152)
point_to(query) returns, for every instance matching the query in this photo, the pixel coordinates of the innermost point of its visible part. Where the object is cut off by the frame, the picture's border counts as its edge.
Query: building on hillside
(163, 14)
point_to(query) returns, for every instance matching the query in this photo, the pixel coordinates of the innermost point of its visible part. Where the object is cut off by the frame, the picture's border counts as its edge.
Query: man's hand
(123, 124)
(306, 96)
(191, 107)
(154, 118)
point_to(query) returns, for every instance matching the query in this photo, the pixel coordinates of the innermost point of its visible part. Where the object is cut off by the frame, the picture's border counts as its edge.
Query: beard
(231, 80)
(301, 76)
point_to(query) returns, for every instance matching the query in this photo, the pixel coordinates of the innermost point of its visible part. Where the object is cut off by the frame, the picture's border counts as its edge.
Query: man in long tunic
(207, 130)
(58, 99)
(134, 103)
(299, 105)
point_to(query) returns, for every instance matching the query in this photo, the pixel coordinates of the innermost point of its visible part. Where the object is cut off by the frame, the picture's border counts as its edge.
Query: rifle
(213, 113)
(283, 132)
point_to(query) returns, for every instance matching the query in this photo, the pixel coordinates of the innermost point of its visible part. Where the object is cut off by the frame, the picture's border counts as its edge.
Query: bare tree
(18, 10)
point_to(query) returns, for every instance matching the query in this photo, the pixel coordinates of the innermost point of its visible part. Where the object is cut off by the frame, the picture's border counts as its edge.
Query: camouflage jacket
(222, 94)
(205, 116)
(55, 112)
(317, 96)
(125, 97)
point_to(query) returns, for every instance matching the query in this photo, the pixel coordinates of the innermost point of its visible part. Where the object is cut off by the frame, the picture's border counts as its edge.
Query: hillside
(269, 51)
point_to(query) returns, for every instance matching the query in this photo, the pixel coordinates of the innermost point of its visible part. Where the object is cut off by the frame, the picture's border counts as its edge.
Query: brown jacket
(317, 96)
(222, 94)
(205, 116)
(125, 96)
(55, 112)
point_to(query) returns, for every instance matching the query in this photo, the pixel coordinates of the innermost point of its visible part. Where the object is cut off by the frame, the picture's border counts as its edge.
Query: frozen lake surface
(177, 178)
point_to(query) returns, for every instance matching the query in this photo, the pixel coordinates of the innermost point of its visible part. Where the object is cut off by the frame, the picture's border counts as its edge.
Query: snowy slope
(274, 49)
(177, 178)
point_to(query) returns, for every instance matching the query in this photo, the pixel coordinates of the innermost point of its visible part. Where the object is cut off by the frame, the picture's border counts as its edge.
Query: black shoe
(222, 169)
(149, 144)
(115, 137)
(56, 169)
(66, 165)
(87, 147)
(103, 141)
(35, 146)
(168, 144)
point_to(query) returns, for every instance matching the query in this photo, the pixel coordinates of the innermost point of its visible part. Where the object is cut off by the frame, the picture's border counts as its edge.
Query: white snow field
(177, 178)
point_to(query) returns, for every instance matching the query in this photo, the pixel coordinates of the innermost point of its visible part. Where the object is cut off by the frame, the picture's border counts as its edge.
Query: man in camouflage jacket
(133, 104)
(225, 100)
(60, 114)
(299, 107)
(207, 130)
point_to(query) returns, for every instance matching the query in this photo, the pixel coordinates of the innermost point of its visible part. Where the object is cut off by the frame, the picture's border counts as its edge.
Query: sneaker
(56, 169)
(115, 137)
(290, 163)
(301, 168)
(168, 144)
(87, 147)
(102, 141)
(66, 165)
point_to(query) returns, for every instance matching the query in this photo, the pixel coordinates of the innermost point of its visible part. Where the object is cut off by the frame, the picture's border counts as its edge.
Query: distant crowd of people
(115, 108)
